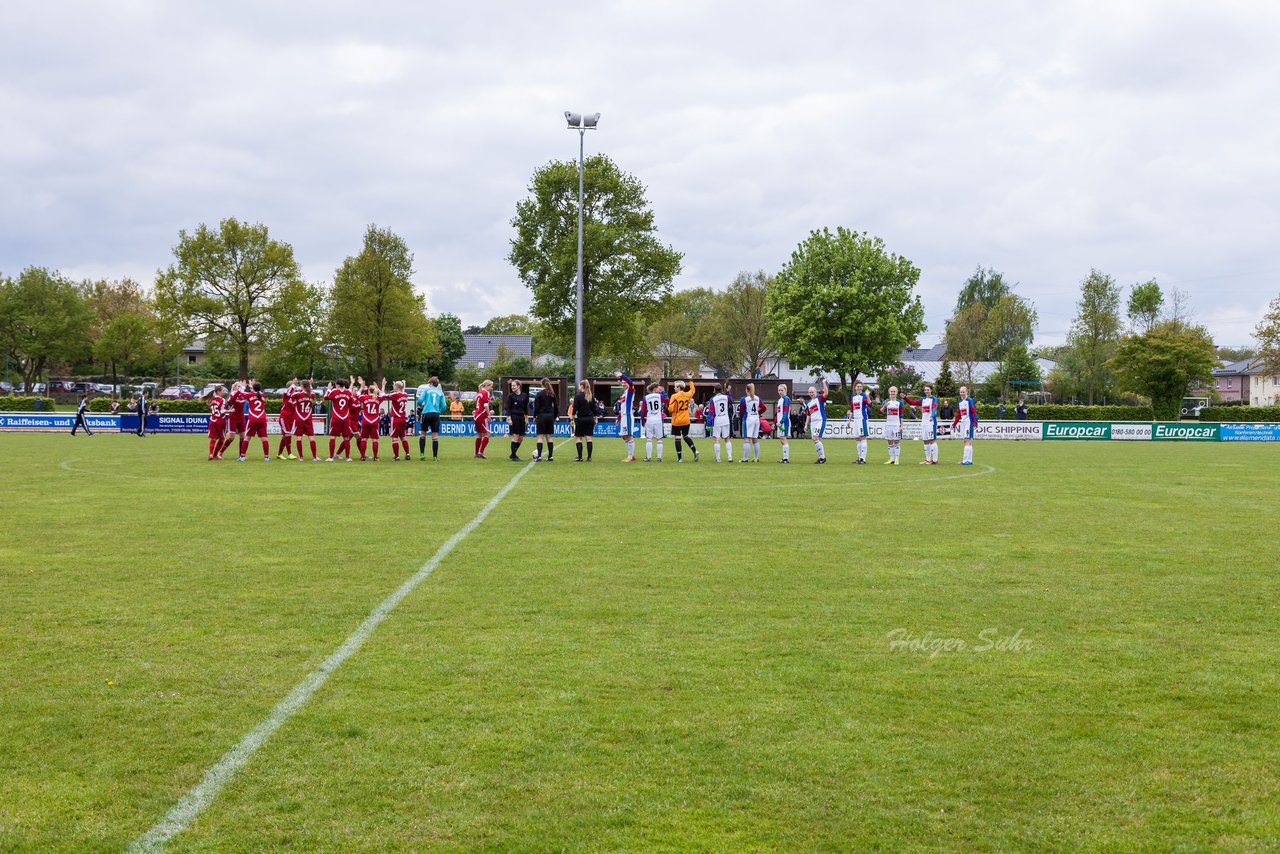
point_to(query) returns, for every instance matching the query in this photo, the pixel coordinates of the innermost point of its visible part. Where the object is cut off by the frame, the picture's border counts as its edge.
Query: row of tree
(241, 292)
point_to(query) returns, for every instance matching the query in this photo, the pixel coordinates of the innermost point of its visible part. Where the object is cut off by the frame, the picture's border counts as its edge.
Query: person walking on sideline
(81, 421)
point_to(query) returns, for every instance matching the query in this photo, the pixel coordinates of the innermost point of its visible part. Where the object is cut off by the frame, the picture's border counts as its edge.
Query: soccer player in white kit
(894, 411)
(965, 424)
(929, 426)
(626, 417)
(720, 424)
(858, 415)
(749, 410)
(782, 422)
(816, 408)
(651, 407)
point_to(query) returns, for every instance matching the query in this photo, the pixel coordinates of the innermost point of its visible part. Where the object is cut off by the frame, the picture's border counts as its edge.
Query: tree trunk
(244, 362)
(378, 367)
(115, 381)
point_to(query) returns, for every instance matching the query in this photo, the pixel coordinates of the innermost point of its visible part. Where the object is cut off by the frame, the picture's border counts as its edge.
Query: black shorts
(430, 423)
(679, 429)
(546, 424)
(584, 428)
(518, 425)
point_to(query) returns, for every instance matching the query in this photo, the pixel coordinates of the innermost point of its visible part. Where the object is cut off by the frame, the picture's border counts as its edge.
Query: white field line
(194, 802)
(977, 470)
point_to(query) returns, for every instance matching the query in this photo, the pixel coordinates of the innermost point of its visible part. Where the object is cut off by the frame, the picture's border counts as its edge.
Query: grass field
(691, 657)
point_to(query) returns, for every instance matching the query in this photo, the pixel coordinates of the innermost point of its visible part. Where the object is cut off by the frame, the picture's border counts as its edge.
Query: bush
(197, 407)
(26, 404)
(1064, 412)
(1244, 414)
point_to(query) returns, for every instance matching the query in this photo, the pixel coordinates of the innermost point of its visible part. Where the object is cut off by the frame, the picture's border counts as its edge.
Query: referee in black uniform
(516, 407)
(81, 421)
(584, 417)
(545, 410)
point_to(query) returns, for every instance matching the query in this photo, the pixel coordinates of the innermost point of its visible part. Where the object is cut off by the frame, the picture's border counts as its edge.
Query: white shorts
(751, 428)
(928, 431)
(720, 431)
(966, 429)
(893, 432)
(856, 429)
(817, 428)
(653, 428)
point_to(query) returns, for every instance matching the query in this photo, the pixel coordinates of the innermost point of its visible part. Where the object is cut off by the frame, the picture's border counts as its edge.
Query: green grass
(645, 657)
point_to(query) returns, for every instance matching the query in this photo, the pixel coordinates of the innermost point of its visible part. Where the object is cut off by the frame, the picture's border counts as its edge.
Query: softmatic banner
(54, 422)
(840, 429)
(1249, 432)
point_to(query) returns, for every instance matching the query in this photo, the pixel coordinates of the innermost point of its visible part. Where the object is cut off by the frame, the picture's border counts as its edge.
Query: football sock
(821, 451)
(435, 448)
(588, 449)
(648, 449)
(862, 449)
(660, 448)
(717, 452)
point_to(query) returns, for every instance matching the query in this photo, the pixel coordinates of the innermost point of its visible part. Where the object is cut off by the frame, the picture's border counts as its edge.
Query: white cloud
(1042, 140)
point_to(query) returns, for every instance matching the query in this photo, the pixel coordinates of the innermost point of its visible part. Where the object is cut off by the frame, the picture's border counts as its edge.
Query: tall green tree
(1268, 334)
(509, 324)
(44, 319)
(125, 340)
(225, 283)
(298, 333)
(376, 315)
(109, 300)
(742, 316)
(627, 271)
(450, 346)
(1019, 373)
(1095, 331)
(946, 386)
(1145, 303)
(984, 287)
(966, 338)
(1011, 327)
(1164, 364)
(844, 303)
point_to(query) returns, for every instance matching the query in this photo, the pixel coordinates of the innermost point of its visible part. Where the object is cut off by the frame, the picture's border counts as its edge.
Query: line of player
(355, 412)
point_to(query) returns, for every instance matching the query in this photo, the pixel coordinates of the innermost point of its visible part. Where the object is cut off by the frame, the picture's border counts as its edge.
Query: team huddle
(355, 412)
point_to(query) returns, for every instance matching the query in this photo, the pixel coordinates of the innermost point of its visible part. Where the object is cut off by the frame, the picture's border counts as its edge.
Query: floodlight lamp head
(578, 121)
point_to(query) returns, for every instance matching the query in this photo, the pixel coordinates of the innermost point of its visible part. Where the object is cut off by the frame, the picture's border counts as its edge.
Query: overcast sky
(1041, 139)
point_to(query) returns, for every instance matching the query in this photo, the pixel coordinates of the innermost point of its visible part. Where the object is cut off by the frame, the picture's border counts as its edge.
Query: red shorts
(399, 429)
(482, 426)
(304, 427)
(369, 431)
(288, 423)
(339, 428)
(235, 425)
(217, 428)
(255, 429)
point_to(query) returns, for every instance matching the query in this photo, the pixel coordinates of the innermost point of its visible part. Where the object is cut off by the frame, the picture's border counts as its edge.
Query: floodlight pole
(581, 123)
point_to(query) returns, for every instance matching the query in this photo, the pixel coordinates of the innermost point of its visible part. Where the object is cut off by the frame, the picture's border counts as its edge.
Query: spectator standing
(141, 407)
(455, 407)
(946, 412)
(1021, 412)
(1000, 412)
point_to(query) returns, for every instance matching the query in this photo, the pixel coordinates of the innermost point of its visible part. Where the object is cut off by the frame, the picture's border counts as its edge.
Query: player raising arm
(369, 407)
(651, 408)
(255, 422)
(929, 426)
(399, 403)
(286, 421)
(341, 407)
(217, 422)
(679, 407)
(895, 411)
(966, 421)
(816, 412)
(304, 401)
(626, 415)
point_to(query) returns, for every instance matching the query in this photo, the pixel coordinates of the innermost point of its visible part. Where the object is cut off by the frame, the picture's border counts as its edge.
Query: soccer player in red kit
(217, 422)
(399, 418)
(370, 413)
(341, 408)
(304, 401)
(255, 422)
(481, 418)
(235, 416)
(287, 421)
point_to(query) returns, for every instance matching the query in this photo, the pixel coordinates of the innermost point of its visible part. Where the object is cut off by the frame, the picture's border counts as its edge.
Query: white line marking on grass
(194, 802)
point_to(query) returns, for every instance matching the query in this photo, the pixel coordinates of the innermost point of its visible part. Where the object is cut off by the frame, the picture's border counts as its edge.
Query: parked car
(102, 388)
(39, 388)
(6, 388)
(175, 392)
(85, 388)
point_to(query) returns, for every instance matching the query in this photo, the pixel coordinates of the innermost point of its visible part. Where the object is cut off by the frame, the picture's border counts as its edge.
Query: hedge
(1243, 414)
(26, 404)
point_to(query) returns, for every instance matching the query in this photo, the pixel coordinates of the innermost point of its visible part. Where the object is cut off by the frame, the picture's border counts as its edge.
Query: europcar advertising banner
(55, 422)
(1078, 430)
(1249, 432)
(1174, 432)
